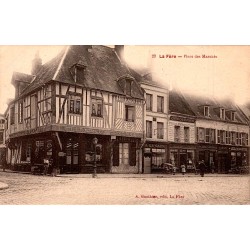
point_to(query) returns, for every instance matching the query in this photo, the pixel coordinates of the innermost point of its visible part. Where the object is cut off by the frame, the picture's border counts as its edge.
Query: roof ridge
(61, 62)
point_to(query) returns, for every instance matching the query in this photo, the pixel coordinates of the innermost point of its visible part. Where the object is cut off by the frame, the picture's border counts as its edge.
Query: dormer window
(232, 115)
(206, 111)
(77, 72)
(222, 114)
(126, 83)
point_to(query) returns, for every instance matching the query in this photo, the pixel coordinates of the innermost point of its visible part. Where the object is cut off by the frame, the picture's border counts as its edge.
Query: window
(20, 112)
(129, 113)
(149, 102)
(160, 130)
(28, 152)
(228, 137)
(200, 134)
(222, 114)
(186, 134)
(233, 138)
(207, 135)
(1, 137)
(160, 103)
(244, 139)
(97, 107)
(232, 116)
(128, 87)
(72, 147)
(206, 111)
(177, 130)
(148, 129)
(221, 136)
(75, 104)
(12, 116)
(238, 138)
(123, 153)
(212, 135)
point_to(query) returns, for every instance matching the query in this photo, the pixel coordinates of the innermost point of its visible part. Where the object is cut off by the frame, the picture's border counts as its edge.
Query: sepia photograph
(124, 125)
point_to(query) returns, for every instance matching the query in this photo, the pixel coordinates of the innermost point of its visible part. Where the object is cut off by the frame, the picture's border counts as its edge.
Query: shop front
(183, 154)
(208, 153)
(238, 158)
(154, 156)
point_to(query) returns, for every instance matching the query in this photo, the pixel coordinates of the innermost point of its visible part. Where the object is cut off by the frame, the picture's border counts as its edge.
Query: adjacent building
(2, 140)
(83, 93)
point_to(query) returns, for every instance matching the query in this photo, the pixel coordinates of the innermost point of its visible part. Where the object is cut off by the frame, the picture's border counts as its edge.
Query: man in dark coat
(202, 167)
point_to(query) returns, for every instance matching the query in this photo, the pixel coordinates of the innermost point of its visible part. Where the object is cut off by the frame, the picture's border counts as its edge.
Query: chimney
(36, 64)
(119, 49)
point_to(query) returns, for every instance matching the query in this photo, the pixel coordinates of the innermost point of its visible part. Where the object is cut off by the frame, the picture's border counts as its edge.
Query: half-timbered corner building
(85, 92)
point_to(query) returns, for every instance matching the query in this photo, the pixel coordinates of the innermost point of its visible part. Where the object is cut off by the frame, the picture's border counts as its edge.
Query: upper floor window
(160, 130)
(75, 104)
(222, 113)
(160, 103)
(206, 111)
(1, 137)
(186, 134)
(228, 134)
(149, 129)
(233, 116)
(12, 115)
(129, 113)
(200, 135)
(244, 139)
(20, 112)
(149, 102)
(233, 138)
(128, 87)
(177, 131)
(97, 107)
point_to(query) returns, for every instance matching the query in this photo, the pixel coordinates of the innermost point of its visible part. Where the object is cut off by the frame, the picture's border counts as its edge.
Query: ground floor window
(124, 153)
(158, 157)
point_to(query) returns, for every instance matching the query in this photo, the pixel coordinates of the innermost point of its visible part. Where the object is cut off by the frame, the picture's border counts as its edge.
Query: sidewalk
(115, 175)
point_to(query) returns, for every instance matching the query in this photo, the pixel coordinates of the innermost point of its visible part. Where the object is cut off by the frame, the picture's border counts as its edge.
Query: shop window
(123, 153)
(158, 157)
(160, 104)
(149, 102)
(72, 148)
(186, 134)
(75, 104)
(39, 151)
(97, 107)
(160, 130)
(149, 129)
(129, 113)
(174, 157)
(177, 131)
(28, 152)
(20, 112)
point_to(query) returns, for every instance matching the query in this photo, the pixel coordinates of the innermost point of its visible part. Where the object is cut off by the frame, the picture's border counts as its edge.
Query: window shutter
(132, 154)
(116, 154)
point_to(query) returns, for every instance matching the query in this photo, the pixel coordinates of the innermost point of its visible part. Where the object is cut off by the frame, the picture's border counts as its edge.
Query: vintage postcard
(124, 125)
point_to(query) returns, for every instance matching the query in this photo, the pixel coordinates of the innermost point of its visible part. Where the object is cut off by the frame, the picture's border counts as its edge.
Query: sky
(226, 74)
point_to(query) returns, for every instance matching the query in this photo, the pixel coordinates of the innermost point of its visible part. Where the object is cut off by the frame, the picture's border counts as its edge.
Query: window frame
(160, 135)
(148, 130)
(160, 104)
(99, 103)
(127, 109)
(149, 105)
(186, 134)
(177, 136)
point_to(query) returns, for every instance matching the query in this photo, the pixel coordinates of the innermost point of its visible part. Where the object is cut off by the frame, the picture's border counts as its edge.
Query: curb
(3, 185)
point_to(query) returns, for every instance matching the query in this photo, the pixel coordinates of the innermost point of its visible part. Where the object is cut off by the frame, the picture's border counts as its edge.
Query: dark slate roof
(46, 73)
(102, 69)
(178, 104)
(197, 104)
(21, 77)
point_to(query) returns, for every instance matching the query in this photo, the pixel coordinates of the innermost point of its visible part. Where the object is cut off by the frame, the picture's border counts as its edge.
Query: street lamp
(94, 141)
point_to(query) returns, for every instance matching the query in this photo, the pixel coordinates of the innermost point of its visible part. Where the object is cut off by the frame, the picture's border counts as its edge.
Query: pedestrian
(202, 167)
(212, 167)
(183, 169)
(46, 166)
(174, 170)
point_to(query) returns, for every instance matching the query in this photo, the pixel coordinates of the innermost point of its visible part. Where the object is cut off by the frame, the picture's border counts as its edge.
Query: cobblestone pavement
(183, 190)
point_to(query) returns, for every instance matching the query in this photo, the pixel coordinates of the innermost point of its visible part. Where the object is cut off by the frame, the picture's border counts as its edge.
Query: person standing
(202, 167)
(183, 169)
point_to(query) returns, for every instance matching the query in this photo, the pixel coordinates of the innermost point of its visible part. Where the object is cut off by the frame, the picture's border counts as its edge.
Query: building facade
(222, 133)
(181, 133)
(85, 92)
(154, 153)
(2, 141)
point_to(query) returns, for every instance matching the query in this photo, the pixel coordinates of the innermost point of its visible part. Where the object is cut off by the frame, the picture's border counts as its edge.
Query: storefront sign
(151, 145)
(182, 119)
(238, 149)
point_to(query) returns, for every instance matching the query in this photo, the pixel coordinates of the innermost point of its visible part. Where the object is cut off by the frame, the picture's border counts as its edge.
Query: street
(121, 190)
